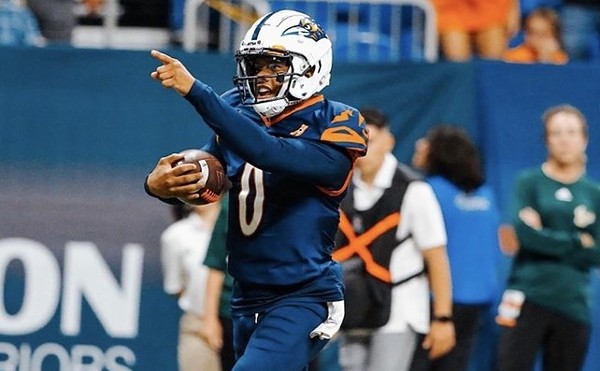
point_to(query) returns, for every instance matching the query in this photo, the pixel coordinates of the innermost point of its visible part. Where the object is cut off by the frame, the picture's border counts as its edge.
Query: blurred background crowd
(523, 31)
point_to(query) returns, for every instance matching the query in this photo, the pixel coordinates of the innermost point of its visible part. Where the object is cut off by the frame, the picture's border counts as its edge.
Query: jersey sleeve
(421, 209)
(317, 162)
(347, 130)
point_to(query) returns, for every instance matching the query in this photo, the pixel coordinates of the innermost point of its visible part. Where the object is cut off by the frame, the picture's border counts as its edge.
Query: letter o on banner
(42, 285)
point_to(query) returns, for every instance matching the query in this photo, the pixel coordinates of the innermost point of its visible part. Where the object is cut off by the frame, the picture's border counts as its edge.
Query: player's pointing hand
(172, 73)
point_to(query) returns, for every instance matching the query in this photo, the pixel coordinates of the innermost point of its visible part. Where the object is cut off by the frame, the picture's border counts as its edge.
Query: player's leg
(279, 338)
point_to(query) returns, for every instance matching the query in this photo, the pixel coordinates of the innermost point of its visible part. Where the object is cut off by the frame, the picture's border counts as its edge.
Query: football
(214, 179)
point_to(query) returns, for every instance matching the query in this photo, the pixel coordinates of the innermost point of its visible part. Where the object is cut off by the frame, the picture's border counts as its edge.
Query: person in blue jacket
(454, 170)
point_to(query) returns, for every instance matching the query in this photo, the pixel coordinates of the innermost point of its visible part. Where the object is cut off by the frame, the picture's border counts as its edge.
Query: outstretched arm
(313, 161)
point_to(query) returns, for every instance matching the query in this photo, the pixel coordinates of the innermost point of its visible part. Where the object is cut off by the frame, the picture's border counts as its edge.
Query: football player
(289, 153)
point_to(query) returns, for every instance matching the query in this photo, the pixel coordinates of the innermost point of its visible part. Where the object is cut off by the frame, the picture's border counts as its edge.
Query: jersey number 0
(249, 226)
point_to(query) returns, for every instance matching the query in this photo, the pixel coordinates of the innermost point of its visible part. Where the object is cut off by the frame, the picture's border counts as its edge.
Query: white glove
(331, 325)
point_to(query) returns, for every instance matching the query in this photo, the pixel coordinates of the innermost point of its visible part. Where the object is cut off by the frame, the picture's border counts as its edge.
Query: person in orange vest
(392, 246)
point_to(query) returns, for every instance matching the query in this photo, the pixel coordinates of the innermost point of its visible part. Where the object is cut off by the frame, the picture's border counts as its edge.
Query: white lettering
(87, 358)
(87, 275)
(119, 352)
(10, 356)
(47, 350)
(42, 285)
(55, 356)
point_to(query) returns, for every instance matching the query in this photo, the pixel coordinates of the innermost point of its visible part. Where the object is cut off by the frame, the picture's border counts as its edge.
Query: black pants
(467, 320)
(227, 354)
(563, 342)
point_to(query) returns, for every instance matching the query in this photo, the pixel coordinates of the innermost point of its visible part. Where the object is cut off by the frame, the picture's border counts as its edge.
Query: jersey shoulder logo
(345, 115)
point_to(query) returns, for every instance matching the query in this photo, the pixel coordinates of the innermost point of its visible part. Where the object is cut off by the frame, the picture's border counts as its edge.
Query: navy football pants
(278, 339)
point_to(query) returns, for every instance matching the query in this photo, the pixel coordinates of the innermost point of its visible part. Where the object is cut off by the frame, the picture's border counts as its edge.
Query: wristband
(442, 319)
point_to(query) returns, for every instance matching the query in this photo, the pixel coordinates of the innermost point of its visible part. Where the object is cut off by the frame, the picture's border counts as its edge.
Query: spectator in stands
(527, 6)
(18, 26)
(94, 7)
(546, 307)
(183, 249)
(91, 12)
(176, 18)
(392, 228)
(581, 29)
(479, 28)
(217, 328)
(542, 43)
(455, 173)
(56, 19)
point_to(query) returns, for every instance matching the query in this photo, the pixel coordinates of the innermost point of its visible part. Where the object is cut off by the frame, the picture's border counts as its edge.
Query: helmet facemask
(249, 64)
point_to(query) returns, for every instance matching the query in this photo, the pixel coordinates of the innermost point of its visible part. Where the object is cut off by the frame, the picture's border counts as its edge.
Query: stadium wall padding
(80, 129)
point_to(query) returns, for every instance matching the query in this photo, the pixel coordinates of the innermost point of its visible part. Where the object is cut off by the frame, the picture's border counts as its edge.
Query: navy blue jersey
(288, 177)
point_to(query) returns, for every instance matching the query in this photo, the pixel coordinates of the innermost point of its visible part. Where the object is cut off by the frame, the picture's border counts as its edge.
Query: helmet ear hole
(310, 72)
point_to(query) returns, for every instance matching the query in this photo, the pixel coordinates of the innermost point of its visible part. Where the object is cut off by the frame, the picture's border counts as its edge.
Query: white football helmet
(298, 40)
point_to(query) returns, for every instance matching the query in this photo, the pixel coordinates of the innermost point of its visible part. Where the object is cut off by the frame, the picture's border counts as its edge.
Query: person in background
(476, 28)
(216, 328)
(56, 18)
(183, 248)
(546, 306)
(18, 26)
(392, 222)
(453, 166)
(289, 154)
(542, 43)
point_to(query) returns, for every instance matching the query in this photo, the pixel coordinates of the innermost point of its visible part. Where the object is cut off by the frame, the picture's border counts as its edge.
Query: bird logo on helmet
(291, 36)
(307, 27)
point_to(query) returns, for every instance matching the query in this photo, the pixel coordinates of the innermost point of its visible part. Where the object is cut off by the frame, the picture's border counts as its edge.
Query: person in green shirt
(547, 304)
(217, 328)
